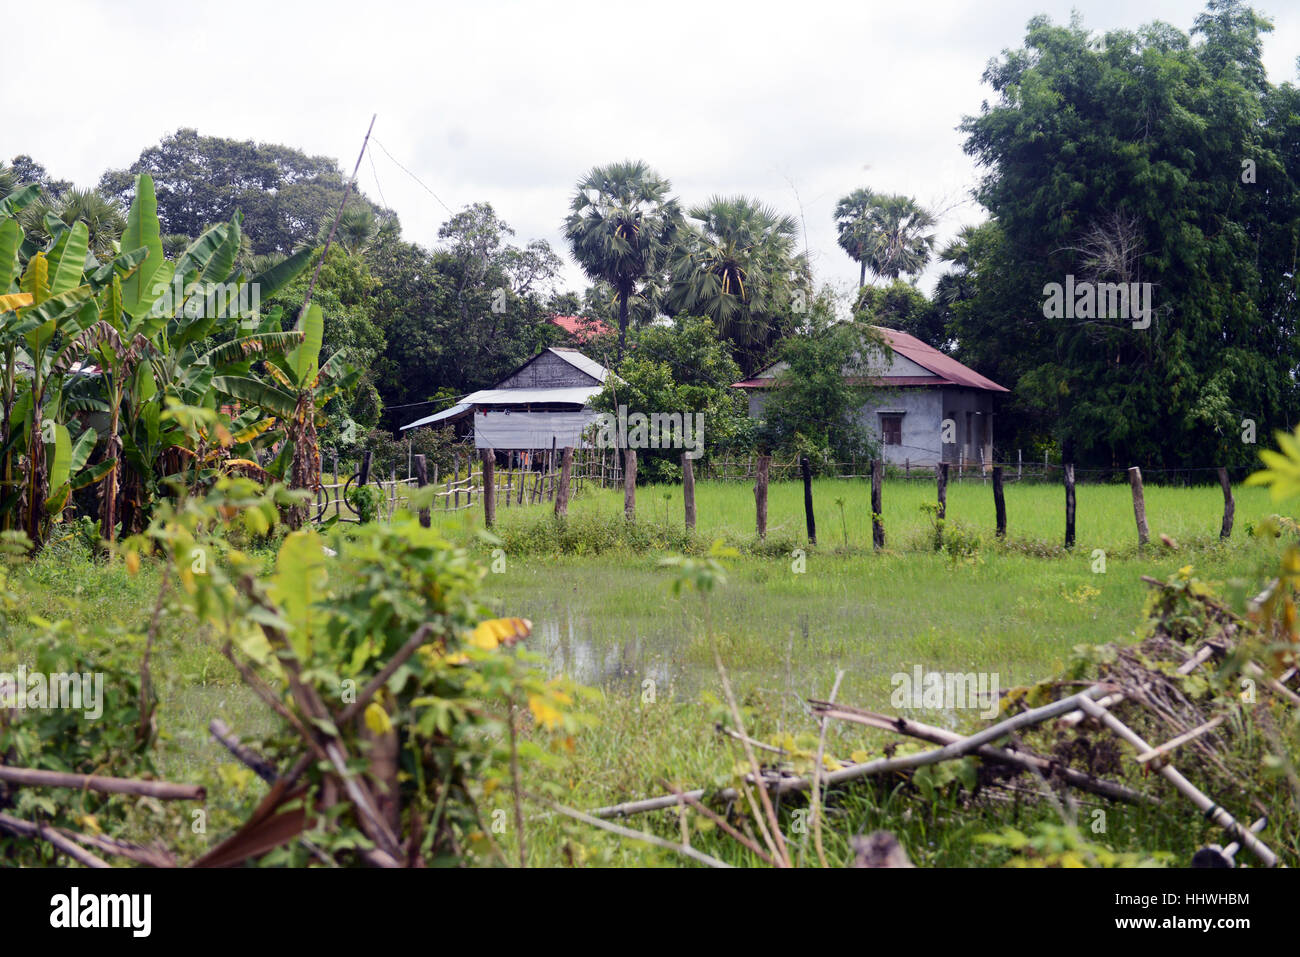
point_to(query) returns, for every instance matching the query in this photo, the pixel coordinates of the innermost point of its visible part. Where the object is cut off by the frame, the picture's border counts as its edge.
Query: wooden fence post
(877, 520)
(760, 494)
(999, 502)
(1139, 505)
(338, 492)
(807, 499)
(456, 484)
(550, 467)
(566, 474)
(365, 468)
(688, 490)
(1069, 505)
(421, 480)
(489, 488)
(1229, 506)
(941, 487)
(629, 484)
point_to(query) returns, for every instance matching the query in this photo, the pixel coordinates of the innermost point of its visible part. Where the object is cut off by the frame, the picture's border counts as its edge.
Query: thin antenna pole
(347, 191)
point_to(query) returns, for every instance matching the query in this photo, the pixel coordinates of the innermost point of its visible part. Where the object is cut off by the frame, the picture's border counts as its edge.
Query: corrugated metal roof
(931, 358)
(453, 412)
(576, 359)
(574, 395)
(948, 370)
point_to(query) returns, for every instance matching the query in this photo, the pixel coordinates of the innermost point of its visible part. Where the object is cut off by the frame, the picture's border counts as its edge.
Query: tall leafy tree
(1151, 156)
(284, 194)
(621, 229)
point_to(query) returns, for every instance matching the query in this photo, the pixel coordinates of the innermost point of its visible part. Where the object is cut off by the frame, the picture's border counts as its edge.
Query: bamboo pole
(1210, 808)
(162, 790)
(1027, 760)
(1139, 505)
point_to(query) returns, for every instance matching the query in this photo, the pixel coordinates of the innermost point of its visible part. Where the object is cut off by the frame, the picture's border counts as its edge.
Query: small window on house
(891, 428)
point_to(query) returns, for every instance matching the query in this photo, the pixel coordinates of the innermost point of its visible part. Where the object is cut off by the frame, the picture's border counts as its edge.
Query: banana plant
(294, 393)
(158, 351)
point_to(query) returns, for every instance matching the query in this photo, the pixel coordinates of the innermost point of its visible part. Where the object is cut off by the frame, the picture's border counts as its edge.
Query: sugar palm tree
(903, 237)
(853, 224)
(739, 267)
(621, 228)
(888, 235)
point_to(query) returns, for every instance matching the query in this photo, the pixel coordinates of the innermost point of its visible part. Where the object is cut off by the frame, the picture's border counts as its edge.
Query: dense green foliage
(1148, 156)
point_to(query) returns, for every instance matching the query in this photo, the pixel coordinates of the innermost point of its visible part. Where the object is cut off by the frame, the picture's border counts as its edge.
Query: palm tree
(103, 216)
(621, 230)
(853, 223)
(739, 267)
(884, 234)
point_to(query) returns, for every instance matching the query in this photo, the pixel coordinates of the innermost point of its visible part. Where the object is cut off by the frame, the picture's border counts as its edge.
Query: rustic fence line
(554, 476)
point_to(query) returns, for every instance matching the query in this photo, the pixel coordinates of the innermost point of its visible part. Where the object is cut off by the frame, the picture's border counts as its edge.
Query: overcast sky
(795, 103)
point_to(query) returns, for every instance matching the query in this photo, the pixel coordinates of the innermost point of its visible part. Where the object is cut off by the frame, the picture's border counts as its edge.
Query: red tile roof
(582, 328)
(948, 371)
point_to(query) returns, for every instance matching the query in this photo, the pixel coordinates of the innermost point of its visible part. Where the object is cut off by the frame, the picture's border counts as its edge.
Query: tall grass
(1035, 516)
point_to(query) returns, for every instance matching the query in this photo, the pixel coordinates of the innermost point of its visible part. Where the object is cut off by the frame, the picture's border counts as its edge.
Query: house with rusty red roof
(925, 407)
(581, 329)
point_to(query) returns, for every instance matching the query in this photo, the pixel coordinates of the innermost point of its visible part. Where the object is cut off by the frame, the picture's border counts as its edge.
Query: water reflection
(615, 663)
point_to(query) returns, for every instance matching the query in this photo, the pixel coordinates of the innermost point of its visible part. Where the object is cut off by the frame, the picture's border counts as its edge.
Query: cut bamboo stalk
(657, 841)
(1026, 760)
(1182, 739)
(162, 790)
(883, 765)
(1211, 809)
(48, 834)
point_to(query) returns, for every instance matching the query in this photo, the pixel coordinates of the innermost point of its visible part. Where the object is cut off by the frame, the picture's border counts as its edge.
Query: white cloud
(511, 102)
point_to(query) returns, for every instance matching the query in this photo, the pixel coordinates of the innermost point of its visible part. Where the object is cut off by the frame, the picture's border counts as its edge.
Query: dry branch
(27, 829)
(163, 790)
(1026, 760)
(1210, 808)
